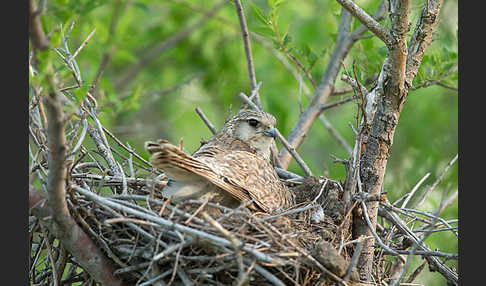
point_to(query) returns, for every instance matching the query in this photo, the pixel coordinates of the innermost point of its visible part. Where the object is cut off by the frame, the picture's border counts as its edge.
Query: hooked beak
(271, 132)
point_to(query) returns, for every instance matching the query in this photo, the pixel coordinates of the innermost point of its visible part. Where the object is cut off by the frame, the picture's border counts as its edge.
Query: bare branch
(322, 92)
(439, 179)
(206, 120)
(72, 237)
(247, 44)
(336, 134)
(85, 42)
(367, 20)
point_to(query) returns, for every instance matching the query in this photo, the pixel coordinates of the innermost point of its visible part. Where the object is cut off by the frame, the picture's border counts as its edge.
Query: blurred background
(159, 60)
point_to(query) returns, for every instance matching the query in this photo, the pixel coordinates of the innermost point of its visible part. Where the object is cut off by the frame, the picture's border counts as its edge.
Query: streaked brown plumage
(233, 163)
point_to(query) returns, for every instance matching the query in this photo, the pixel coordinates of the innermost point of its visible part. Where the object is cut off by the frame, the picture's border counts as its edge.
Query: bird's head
(256, 128)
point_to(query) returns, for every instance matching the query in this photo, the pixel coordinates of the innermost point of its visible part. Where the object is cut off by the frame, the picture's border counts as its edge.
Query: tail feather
(184, 168)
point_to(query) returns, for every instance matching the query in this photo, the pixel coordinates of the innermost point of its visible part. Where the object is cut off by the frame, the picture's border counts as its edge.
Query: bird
(233, 164)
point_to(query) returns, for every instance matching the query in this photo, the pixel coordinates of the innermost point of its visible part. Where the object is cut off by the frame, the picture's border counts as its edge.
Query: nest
(151, 240)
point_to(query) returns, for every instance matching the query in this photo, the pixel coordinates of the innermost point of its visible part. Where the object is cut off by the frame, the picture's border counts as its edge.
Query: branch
(65, 228)
(322, 92)
(421, 37)
(367, 20)
(344, 42)
(434, 263)
(431, 188)
(247, 44)
(206, 120)
(172, 225)
(336, 134)
(37, 35)
(60, 222)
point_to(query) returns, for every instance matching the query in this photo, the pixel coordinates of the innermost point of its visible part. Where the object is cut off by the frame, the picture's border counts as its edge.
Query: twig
(336, 134)
(446, 202)
(206, 120)
(289, 212)
(247, 45)
(294, 154)
(439, 179)
(55, 275)
(443, 269)
(70, 59)
(125, 147)
(171, 225)
(269, 276)
(415, 188)
(244, 278)
(337, 103)
(366, 20)
(372, 229)
(354, 259)
(416, 272)
(234, 241)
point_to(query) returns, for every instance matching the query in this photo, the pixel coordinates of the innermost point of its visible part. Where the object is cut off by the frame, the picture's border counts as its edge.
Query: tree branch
(421, 37)
(367, 20)
(247, 44)
(322, 92)
(37, 35)
(63, 225)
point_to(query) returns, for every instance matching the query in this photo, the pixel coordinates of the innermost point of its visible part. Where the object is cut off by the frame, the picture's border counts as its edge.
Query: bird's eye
(253, 122)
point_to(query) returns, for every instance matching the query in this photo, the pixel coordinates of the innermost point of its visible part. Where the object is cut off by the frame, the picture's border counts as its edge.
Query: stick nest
(202, 242)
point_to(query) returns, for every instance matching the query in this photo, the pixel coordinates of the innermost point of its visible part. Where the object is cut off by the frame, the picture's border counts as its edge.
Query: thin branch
(336, 134)
(247, 45)
(367, 20)
(206, 120)
(322, 92)
(439, 179)
(85, 42)
(169, 224)
(414, 189)
(235, 242)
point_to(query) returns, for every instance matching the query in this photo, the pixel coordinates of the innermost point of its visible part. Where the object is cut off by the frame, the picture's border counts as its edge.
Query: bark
(344, 42)
(391, 91)
(324, 89)
(62, 225)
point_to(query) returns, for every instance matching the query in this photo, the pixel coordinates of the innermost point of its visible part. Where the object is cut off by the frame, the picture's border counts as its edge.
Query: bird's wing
(182, 167)
(251, 173)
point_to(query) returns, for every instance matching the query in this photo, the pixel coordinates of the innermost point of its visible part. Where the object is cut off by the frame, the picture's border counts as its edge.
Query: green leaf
(264, 31)
(287, 40)
(80, 93)
(259, 14)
